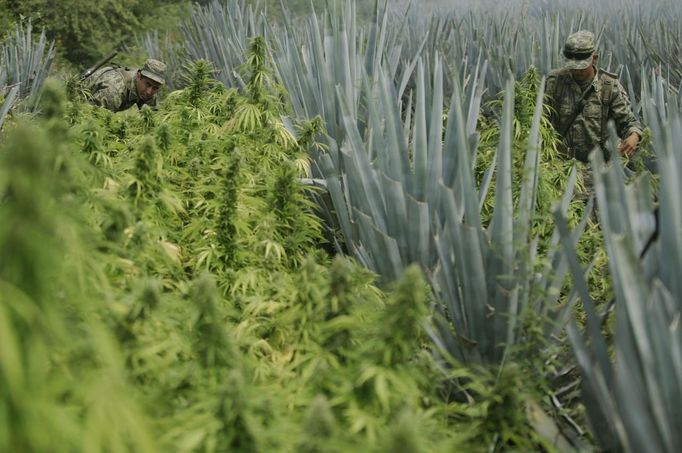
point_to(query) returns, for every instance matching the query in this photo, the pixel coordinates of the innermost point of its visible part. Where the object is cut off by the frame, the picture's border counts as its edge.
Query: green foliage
(228, 208)
(64, 384)
(81, 37)
(198, 81)
(319, 428)
(171, 293)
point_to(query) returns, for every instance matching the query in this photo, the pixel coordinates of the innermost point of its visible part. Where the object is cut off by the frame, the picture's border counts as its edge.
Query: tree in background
(84, 30)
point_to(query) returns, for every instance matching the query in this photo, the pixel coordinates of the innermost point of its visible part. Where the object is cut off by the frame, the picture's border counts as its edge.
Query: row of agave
(630, 36)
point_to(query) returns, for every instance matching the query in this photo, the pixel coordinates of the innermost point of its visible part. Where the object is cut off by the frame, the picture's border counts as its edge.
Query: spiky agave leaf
(25, 63)
(633, 404)
(220, 33)
(8, 101)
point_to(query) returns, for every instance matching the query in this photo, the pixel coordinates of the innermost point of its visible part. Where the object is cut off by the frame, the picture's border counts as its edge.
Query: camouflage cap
(579, 49)
(154, 70)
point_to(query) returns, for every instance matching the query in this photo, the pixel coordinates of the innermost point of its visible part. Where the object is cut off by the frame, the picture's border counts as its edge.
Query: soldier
(118, 89)
(584, 98)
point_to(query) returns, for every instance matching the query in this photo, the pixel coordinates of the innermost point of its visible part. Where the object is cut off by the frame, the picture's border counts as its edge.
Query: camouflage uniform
(606, 101)
(114, 88)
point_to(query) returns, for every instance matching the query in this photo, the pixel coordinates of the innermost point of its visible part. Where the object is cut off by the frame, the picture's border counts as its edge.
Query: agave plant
(25, 63)
(7, 104)
(533, 34)
(633, 399)
(220, 33)
(402, 195)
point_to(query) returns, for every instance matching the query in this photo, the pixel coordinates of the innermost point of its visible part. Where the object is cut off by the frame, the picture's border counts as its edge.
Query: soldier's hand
(629, 145)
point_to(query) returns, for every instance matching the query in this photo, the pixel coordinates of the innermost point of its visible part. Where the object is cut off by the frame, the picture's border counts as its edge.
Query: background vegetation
(339, 231)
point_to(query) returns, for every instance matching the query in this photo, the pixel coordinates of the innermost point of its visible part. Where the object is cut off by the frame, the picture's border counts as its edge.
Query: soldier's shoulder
(610, 79)
(604, 74)
(109, 73)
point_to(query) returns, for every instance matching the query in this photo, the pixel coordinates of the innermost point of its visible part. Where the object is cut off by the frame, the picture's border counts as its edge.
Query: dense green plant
(63, 381)
(81, 37)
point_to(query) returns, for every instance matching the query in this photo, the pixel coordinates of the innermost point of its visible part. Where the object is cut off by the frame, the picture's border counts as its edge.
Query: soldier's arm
(550, 86)
(621, 113)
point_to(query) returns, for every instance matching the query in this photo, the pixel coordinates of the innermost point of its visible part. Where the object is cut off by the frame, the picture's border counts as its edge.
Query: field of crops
(342, 230)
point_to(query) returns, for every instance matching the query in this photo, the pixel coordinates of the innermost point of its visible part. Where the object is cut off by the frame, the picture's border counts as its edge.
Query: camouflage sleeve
(108, 92)
(550, 90)
(621, 113)
(550, 87)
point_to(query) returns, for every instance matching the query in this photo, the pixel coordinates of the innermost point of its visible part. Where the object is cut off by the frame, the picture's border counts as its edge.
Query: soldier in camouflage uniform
(604, 100)
(118, 89)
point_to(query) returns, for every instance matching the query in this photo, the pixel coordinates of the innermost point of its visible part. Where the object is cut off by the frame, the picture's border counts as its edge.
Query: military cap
(154, 70)
(579, 49)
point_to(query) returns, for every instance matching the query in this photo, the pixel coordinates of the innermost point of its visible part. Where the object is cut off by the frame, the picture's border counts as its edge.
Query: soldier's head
(580, 54)
(149, 79)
